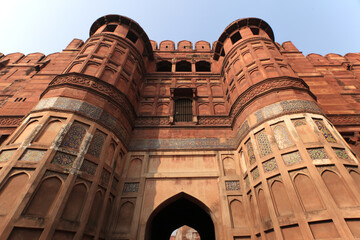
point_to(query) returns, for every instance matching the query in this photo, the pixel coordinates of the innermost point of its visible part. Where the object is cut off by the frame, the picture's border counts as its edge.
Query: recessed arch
(183, 66)
(181, 209)
(203, 66)
(163, 66)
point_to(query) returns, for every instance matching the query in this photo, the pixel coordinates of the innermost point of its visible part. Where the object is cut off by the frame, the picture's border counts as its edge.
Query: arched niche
(49, 133)
(27, 131)
(134, 170)
(229, 166)
(75, 202)
(11, 190)
(238, 214)
(281, 198)
(44, 197)
(337, 189)
(126, 213)
(181, 209)
(95, 209)
(307, 192)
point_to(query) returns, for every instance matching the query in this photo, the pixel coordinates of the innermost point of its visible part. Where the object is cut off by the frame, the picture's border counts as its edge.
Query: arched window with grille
(183, 110)
(183, 104)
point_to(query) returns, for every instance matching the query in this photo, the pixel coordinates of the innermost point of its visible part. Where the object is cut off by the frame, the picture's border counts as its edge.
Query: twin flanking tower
(132, 140)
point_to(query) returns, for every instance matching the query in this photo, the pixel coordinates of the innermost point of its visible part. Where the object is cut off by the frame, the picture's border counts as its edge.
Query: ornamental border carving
(105, 89)
(10, 121)
(264, 87)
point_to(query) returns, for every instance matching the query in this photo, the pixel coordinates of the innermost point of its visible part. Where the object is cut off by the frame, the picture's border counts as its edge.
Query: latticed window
(183, 110)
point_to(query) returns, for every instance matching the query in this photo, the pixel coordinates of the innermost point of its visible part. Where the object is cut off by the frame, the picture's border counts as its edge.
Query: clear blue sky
(314, 26)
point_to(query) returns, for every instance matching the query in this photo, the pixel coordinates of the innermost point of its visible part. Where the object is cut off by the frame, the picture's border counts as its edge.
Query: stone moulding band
(244, 99)
(96, 85)
(262, 115)
(264, 87)
(10, 121)
(87, 110)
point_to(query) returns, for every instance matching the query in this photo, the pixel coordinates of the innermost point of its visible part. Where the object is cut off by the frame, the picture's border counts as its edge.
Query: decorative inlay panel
(341, 153)
(282, 136)
(105, 176)
(74, 136)
(6, 155)
(88, 167)
(131, 187)
(63, 159)
(98, 85)
(247, 181)
(298, 123)
(327, 134)
(263, 143)
(32, 155)
(96, 144)
(317, 153)
(232, 185)
(250, 151)
(270, 165)
(291, 158)
(255, 173)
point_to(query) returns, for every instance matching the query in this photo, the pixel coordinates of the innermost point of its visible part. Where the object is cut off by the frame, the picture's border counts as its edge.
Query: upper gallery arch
(255, 24)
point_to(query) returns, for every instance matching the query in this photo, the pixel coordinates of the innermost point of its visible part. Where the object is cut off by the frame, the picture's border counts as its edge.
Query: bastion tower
(122, 138)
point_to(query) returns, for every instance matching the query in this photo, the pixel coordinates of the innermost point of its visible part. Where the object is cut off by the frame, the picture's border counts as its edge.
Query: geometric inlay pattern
(263, 143)
(232, 185)
(298, 123)
(291, 158)
(63, 159)
(88, 167)
(327, 134)
(317, 153)
(341, 153)
(250, 151)
(131, 187)
(6, 155)
(105, 176)
(96, 144)
(33, 155)
(255, 173)
(74, 137)
(270, 165)
(282, 136)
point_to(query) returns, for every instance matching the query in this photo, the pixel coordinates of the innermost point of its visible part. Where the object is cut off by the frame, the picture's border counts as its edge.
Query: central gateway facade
(125, 139)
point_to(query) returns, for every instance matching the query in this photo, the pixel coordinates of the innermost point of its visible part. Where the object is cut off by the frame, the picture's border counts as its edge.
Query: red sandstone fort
(123, 138)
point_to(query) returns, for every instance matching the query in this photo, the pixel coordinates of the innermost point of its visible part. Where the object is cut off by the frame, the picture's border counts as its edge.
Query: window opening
(203, 66)
(110, 28)
(132, 36)
(235, 37)
(163, 66)
(183, 105)
(255, 31)
(183, 66)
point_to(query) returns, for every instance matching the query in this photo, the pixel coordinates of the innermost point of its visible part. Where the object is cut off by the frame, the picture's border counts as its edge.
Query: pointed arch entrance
(181, 209)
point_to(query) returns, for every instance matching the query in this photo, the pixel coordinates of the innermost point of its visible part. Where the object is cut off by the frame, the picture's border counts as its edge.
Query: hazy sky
(47, 26)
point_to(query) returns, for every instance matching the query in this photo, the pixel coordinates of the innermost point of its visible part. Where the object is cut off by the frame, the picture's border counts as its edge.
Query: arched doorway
(182, 209)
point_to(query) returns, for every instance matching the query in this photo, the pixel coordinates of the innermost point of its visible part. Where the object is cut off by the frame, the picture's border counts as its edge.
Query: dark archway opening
(163, 66)
(180, 210)
(203, 66)
(183, 66)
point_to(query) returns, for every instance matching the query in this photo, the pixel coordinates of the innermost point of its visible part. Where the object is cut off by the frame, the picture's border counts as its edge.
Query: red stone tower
(122, 139)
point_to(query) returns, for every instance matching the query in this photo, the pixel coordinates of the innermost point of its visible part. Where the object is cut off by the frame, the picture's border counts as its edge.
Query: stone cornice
(264, 87)
(99, 87)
